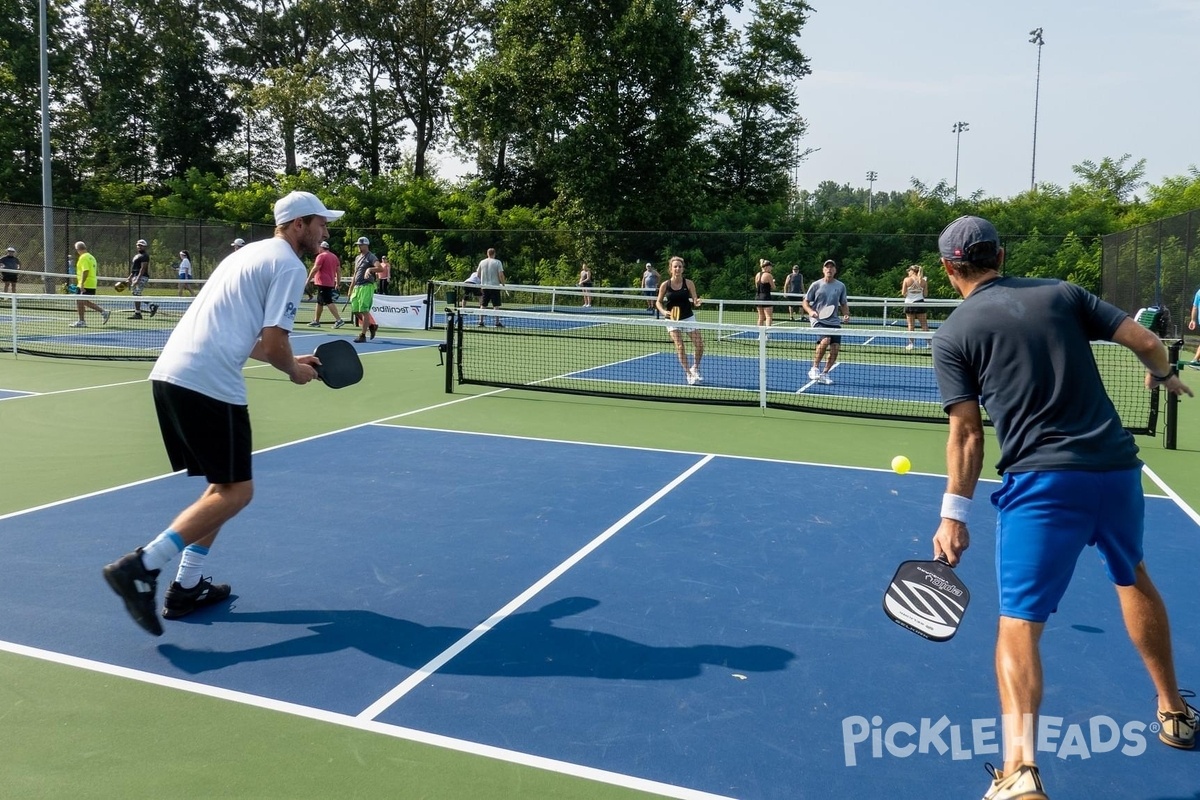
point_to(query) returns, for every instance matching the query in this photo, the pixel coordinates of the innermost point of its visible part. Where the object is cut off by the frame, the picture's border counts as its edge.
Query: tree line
(606, 131)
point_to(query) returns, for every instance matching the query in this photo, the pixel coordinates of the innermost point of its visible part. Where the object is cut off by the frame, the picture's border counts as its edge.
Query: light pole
(872, 176)
(48, 259)
(958, 129)
(1035, 37)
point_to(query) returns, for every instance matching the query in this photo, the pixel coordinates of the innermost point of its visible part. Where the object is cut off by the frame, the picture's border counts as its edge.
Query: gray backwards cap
(959, 237)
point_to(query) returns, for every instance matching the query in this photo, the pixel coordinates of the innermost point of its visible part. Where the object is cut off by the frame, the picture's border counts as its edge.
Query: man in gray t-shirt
(1072, 478)
(827, 304)
(491, 278)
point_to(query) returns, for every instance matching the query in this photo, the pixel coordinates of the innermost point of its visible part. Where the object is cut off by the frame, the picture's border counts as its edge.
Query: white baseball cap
(363, 240)
(12, 249)
(301, 204)
(238, 243)
(141, 242)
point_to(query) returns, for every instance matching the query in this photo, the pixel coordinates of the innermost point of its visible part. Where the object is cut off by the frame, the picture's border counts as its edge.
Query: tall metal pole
(1035, 37)
(47, 186)
(872, 176)
(958, 129)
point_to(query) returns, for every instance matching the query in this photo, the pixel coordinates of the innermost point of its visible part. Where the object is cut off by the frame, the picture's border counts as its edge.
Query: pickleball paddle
(927, 598)
(340, 365)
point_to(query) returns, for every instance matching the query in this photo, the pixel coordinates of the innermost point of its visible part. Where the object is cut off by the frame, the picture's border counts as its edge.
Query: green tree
(278, 52)
(190, 108)
(20, 96)
(418, 44)
(107, 108)
(755, 151)
(592, 106)
(1112, 179)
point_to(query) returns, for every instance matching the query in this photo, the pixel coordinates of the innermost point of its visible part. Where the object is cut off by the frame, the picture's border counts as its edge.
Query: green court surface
(71, 731)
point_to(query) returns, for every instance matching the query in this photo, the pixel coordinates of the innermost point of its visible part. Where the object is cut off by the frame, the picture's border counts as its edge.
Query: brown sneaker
(1023, 783)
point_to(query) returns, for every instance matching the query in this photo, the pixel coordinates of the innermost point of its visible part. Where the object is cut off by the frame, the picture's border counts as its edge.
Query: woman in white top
(913, 289)
(185, 273)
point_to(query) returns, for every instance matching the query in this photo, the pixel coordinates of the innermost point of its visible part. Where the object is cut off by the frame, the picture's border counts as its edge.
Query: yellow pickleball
(901, 465)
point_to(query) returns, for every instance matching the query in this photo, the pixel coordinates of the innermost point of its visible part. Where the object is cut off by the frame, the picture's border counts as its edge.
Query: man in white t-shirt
(245, 310)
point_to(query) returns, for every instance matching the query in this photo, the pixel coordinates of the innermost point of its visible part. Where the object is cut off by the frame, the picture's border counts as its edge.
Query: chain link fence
(110, 237)
(1154, 264)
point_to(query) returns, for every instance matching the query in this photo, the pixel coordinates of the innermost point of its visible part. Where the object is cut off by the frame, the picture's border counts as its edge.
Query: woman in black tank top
(764, 284)
(677, 300)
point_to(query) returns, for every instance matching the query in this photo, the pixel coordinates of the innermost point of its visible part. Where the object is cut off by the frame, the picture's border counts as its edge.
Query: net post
(1171, 427)
(451, 317)
(762, 369)
(429, 301)
(13, 316)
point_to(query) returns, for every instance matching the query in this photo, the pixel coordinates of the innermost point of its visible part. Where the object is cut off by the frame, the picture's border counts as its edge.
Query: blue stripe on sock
(198, 549)
(174, 537)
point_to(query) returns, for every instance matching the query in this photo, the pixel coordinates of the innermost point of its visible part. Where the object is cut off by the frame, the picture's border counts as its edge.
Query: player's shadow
(522, 645)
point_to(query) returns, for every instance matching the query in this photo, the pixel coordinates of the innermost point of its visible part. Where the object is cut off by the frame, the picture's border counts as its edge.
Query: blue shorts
(1043, 522)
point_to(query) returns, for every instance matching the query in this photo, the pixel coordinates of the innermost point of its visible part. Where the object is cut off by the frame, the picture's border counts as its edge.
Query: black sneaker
(373, 329)
(136, 315)
(179, 602)
(130, 579)
(153, 309)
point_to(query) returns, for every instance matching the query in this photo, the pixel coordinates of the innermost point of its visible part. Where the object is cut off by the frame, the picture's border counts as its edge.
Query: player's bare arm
(964, 463)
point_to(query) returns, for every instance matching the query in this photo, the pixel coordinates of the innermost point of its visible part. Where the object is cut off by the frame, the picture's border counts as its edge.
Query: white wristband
(956, 507)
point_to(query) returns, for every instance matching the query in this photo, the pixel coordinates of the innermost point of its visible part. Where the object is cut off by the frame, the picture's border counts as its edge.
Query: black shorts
(324, 295)
(833, 338)
(8, 277)
(203, 435)
(914, 310)
(490, 297)
(88, 291)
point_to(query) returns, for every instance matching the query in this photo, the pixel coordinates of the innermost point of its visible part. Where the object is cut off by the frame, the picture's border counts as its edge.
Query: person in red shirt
(324, 275)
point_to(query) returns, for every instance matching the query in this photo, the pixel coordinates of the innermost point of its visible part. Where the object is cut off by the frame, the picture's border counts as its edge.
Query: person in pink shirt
(325, 275)
(385, 275)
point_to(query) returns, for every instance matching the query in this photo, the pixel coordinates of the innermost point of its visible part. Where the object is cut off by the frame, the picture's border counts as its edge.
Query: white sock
(189, 566)
(156, 554)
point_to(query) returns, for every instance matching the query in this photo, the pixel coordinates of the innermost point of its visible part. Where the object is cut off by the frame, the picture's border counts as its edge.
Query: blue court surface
(712, 624)
(899, 382)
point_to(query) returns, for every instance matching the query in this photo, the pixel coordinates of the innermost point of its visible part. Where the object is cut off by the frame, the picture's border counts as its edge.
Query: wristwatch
(1170, 374)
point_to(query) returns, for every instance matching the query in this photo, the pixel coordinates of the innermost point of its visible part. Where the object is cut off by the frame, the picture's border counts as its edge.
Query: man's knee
(237, 495)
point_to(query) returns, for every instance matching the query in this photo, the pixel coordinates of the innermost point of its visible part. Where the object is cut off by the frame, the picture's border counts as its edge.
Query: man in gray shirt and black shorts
(491, 278)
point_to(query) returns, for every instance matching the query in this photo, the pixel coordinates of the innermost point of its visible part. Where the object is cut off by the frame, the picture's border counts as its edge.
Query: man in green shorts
(362, 288)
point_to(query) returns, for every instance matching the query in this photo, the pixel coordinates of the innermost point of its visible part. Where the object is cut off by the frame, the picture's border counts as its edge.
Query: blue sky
(890, 79)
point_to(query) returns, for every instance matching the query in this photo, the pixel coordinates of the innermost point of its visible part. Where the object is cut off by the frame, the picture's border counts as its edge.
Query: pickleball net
(884, 373)
(48, 325)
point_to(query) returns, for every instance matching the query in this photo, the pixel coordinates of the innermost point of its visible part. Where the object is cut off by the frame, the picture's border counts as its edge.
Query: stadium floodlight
(1035, 37)
(958, 129)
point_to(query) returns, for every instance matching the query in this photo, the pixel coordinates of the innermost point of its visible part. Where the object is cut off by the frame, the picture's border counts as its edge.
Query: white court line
(314, 437)
(76, 389)
(418, 677)
(347, 721)
(246, 367)
(1171, 493)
